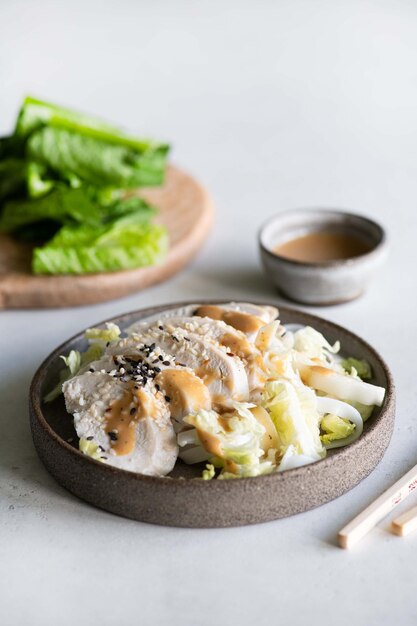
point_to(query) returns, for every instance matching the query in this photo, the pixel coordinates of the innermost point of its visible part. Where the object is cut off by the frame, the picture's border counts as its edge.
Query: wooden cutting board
(184, 207)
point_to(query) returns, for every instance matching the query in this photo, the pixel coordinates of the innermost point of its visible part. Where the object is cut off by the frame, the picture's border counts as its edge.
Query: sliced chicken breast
(243, 316)
(221, 334)
(224, 374)
(126, 426)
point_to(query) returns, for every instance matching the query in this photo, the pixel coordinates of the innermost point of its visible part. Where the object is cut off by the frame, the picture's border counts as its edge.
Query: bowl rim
(36, 402)
(374, 251)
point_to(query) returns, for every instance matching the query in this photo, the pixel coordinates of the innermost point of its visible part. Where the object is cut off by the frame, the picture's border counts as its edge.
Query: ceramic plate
(179, 499)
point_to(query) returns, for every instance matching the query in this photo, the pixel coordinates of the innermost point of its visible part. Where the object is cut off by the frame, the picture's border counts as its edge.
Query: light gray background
(272, 105)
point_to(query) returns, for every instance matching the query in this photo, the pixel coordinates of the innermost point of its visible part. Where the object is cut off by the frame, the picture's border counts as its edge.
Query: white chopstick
(365, 521)
(406, 523)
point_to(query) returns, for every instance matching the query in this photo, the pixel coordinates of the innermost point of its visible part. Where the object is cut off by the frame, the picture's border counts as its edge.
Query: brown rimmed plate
(180, 499)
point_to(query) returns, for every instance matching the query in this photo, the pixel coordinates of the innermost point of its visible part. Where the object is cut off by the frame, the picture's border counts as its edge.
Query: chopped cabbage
(365, 410)
(335, 427)
(72, 361)
(209, 472)
(90, 448)
(233, 441)
(110, 333)
(312, 343)
(360, 367)
(293, 410)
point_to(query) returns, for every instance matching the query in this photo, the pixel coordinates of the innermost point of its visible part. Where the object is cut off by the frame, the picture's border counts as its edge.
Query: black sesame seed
(103, 457)
(155, 361)
(161, 358)
(167, 398)
(101, 448)
(132, 411)
(157, 387)
(166, 363)
(187, 339)
(107, 344)
(113, 436)
(157, 369)
(91, 369)
(161, 327)
(90, 438)
(175, 338)
(152, 346)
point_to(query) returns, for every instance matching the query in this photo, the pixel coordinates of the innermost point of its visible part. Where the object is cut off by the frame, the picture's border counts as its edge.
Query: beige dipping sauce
(322, 246)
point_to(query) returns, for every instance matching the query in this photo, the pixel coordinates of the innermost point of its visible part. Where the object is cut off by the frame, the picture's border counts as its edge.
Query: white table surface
(272, 105)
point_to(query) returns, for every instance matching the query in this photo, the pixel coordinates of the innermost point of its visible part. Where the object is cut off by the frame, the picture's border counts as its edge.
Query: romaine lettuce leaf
(36, 114)
(97, 162)
(115, 246)
(12, 177)
(63, 205)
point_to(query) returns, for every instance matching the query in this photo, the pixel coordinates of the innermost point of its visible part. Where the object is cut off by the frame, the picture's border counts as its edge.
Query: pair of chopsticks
(365, 521)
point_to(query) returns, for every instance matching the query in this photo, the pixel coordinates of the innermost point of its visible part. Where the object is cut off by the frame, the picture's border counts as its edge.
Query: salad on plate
(226, 386)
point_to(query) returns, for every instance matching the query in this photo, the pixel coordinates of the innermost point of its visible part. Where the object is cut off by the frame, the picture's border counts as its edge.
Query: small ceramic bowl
(328, 282)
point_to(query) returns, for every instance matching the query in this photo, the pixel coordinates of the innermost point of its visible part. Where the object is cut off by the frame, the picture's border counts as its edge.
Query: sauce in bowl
(322, 246)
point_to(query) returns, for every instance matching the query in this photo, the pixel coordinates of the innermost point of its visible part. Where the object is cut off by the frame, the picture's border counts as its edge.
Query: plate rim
(36, 402)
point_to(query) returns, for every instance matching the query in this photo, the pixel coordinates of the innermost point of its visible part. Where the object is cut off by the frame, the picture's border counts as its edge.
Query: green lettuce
(64, 181)
(120, 245)
(13, 173)
(63, 205)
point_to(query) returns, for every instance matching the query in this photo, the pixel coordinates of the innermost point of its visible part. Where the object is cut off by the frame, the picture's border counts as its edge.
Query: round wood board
(179, 499)
(185, 209)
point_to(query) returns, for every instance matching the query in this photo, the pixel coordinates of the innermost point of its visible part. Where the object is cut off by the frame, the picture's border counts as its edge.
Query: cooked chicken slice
(125, 426)
(243, 316)
(218, 332)
(183, 391)
(224, 374)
